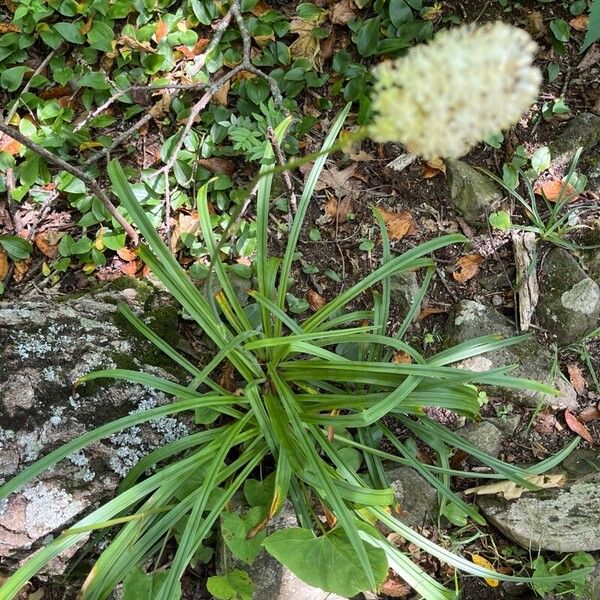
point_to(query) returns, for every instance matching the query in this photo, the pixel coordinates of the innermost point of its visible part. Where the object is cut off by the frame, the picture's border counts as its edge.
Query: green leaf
(259, 493)
(593, 31)
(400, 13)
(16, 247)
(560, 29)
(94, 79)
(70, 32)
(139, 584)
(234, 530)
(500, 220)
(11, 78)
(541, 159)
(100, 36)
(367, 36)
(328, 562)
(236, 585)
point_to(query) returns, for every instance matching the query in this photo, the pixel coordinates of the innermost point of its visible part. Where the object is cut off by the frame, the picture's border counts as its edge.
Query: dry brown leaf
(509, 490)
(343, 12)
(47, 243)
(535, 24)
(431, 310)
(130, 268)
(221, 95)
(185, 224)
(576, 426)
(335, 210)
(315, 300)
(127, 254)
(261, 8)
(217, 165)
(86, 26)
(127, 41)
(337, 180)
(591, 57)
(591, 413)
(579, 23)
(433, 167)
(57, 91)
(398, 224)
(8, 28)
(307, 45)
(3, 264)
(198, 48)
(394, 587)
(21, 268)
(577, 379)
(546, 423)
(161, 108)
(362, 156)
(467, 267)
(401, 358)
(8, 145)
(551, 190)
(161, 31)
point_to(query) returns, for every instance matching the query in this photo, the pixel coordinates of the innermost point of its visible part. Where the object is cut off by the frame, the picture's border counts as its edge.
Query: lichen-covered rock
(484, 435)
(404, 290)
(559, 520)
(417, 498)
(272, 581)
(569, 305)
(582, 131)
(469, 319)
(582, 461)
(45, 345)
(472, 193)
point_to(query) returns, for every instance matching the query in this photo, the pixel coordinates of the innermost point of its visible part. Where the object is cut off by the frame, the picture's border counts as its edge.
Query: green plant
(551, 219)
(306, 414)
(577, 585)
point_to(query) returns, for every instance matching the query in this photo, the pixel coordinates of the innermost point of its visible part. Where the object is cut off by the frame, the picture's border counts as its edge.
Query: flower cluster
(442, 98)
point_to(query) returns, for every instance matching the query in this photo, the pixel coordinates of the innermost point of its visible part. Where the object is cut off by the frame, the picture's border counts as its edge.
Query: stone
(582, 461)
(484, 435)
(45, 345)
(272, 581)
(581, 131)
(417, 498)
(569, 304)
(469, 319)
(557, 520)
(507, 425)
(472, 193)
(404, 289)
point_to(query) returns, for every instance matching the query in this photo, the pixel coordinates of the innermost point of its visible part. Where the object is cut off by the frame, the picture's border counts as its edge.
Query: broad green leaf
(541, 159)
(235, 585)
(327, 562)
(500, 220)
(259, 493)
(11, 78)
(234, 530)
(16, 247)
(593, 31)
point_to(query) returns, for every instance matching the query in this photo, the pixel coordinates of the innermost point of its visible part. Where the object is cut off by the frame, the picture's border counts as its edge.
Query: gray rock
(592, 264)
(484, 436)
(582, 461)
(469, 319)
(582, 131)
(472, 193)
(272, 581)
(559, 520)
(45, 345)
(507, 425)
(418, 499)
(404, 289)
(569, 305)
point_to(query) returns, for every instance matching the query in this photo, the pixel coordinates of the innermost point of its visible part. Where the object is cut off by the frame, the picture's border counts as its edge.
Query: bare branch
(91, 183)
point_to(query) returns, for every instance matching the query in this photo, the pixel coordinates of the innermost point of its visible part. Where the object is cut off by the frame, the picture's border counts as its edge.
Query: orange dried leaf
(161, 31)
(394, 587)
(486, 564)
(591, 413)
(576, 426)
(86, 26)
(577, 379)
(579, 23)
(401, 358)
(8, 145)
(343, 12)
(8, 28)
(3, 264)
(467, 267)
(553, 189)
(21, 268)
(126, 254)
(129, 268)
(315, 300)
(431, 310)
(398, 224)
(221, 95)
(47, 243)
(433, 167)
(56, 92)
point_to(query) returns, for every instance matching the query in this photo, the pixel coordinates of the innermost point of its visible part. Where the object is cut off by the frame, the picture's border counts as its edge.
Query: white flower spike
(443, 98)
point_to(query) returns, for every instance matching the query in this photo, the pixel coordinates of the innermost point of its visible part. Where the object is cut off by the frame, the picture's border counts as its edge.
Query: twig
(286, 174)
(42, 66)
(91, 183)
